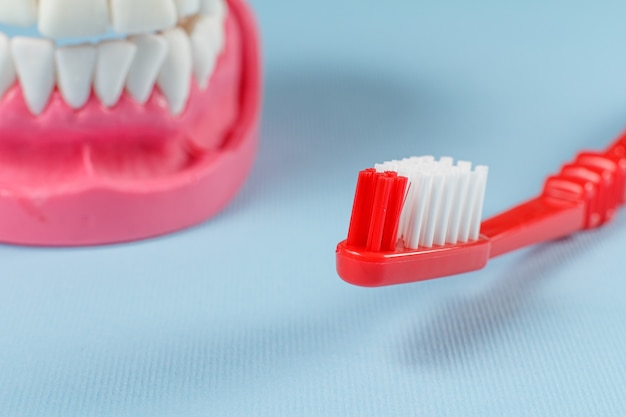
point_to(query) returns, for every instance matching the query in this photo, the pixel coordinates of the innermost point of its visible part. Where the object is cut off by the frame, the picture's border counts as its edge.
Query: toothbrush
(419, 218)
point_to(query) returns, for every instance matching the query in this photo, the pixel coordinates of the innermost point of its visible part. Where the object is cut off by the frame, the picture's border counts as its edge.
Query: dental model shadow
(462, 327)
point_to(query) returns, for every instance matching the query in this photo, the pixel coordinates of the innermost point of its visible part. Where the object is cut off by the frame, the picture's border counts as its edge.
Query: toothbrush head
(415, 219)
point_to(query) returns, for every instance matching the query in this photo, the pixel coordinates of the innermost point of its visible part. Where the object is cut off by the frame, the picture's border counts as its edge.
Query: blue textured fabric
(245, 316)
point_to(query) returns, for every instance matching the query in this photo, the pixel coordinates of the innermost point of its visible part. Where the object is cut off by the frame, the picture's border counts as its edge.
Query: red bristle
(362, 209)
(392, 220)
(384, 186)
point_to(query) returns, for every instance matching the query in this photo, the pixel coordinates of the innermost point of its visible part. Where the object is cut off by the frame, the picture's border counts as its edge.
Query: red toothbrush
(419, 218)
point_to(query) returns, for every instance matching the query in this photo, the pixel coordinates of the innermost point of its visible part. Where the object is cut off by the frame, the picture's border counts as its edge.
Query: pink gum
(84, 207)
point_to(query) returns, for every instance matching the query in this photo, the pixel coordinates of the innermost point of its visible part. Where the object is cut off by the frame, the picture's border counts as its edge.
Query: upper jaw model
(124, 119)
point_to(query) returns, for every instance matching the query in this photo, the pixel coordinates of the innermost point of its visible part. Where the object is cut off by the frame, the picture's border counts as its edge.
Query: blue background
(245, 315)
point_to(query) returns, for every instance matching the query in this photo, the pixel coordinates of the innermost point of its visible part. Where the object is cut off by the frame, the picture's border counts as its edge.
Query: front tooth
(34, 60)
(113, 63)
(207, 39)
(213, 7)
(151, 52)
(75, 70)
(142, 16)
(7, 69)
(73, 18)
(187, 7)
(175, 77)
(18, 12)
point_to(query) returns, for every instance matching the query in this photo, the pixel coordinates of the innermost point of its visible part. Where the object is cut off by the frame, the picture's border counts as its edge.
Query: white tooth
(75, 70)
(175, 77)
(73, 18)
(213, 7)
(113, 63)
(207, 39)
(142, 16)
(18, 12)
(215, 30)
(151, 52)
(7, 69)
(34, 61)
(187, 7)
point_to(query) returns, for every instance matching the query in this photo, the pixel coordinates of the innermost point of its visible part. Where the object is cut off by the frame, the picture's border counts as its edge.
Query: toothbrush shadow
(463, 327)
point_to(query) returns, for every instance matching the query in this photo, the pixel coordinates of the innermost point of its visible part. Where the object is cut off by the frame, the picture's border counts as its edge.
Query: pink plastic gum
(90, 206)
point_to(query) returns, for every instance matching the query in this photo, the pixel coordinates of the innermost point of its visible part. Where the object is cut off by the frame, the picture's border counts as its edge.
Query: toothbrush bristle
(420, 201)
(376, 212)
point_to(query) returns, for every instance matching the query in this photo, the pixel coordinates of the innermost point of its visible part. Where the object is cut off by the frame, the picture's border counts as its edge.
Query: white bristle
(443, 202)
(451, 180)
(468, 205)
(452, 234)
(477, 210)
(420, 201)
(446, 161)
(432, 211)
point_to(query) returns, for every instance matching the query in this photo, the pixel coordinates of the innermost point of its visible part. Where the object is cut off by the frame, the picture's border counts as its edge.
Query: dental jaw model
(127, 119)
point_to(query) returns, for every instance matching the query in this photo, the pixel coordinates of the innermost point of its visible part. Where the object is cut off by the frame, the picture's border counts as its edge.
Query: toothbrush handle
(583, 195)
(538, 220)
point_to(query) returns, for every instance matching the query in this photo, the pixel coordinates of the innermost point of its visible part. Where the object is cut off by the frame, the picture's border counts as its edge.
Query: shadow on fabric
(464, 327)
